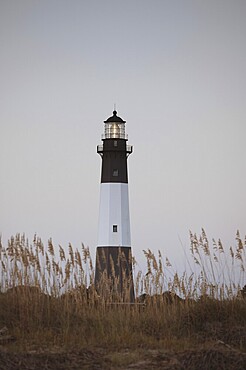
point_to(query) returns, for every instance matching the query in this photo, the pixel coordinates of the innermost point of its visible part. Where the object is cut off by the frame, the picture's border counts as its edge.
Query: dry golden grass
(48, 299)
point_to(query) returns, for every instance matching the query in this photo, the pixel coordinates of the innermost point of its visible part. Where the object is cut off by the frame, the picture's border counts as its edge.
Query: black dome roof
(114, 118)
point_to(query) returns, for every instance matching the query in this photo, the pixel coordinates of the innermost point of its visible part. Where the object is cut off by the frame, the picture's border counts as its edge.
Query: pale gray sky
(177, 73)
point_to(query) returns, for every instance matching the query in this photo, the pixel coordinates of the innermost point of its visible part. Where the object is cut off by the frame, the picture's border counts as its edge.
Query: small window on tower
(115, 142)
(114, 228)
(115, 172)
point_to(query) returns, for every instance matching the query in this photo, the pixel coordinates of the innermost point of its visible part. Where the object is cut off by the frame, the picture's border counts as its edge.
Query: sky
(176, 71)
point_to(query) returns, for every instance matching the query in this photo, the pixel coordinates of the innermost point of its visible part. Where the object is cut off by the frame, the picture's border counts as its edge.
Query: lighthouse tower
(113, 276)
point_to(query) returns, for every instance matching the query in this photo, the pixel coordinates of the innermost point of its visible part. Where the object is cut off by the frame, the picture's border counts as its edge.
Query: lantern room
(114, 128)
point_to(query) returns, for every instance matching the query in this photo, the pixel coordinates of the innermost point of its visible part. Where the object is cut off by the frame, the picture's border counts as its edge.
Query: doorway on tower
(113, 276)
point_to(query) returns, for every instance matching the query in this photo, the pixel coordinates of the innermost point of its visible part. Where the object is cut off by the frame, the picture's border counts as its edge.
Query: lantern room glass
(114, 130)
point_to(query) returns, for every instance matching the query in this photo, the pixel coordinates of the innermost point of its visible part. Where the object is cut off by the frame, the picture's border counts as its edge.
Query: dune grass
(48, 298)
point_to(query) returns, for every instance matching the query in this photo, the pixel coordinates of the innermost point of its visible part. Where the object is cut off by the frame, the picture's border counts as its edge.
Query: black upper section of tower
(114, 161)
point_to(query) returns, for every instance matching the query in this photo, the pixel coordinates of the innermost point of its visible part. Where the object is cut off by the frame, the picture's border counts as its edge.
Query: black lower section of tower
(113, 278)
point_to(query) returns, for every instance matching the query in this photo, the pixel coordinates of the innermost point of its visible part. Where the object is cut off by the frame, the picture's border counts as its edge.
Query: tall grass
(48, 296)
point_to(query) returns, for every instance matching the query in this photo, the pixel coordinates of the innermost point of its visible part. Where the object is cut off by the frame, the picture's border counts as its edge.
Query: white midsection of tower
(114, 217)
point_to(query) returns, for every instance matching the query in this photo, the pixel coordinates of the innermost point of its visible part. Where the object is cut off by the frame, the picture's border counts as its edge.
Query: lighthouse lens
(114, 131)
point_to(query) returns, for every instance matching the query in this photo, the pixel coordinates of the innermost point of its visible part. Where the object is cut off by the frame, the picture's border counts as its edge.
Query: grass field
(50, 312)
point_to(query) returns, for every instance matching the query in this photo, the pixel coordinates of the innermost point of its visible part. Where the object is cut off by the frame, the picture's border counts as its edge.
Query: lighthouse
(113, 275)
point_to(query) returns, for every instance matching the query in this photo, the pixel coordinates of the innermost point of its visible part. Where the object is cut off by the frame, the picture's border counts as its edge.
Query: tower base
(113, 277)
